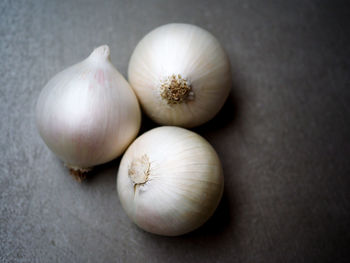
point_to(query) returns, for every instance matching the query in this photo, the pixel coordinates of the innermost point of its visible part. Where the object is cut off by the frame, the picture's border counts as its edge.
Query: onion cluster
(170, 179)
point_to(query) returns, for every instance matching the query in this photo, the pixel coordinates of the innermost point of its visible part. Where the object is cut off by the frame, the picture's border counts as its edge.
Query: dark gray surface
(283, 135)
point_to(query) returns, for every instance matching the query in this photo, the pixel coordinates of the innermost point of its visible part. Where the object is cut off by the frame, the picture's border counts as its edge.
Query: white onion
(88, 114)
(170, 181)
(181, 75)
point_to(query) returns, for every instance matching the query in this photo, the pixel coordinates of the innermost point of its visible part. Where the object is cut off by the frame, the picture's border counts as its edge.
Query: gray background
(283, 135)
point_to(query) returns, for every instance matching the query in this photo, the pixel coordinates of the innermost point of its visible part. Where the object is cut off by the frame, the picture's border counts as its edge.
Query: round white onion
(170, 181)
(181, 75)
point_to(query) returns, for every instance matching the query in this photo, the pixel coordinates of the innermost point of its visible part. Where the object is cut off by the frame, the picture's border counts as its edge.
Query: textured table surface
(282, 136)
